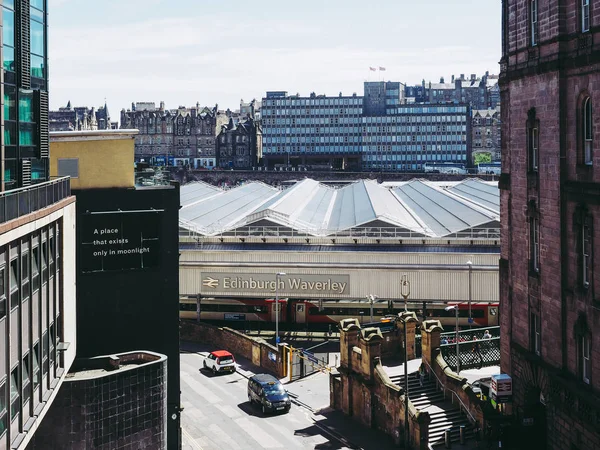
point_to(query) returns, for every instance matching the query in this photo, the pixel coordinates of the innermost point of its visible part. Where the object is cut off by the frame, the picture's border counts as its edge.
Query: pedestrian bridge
(474, 352)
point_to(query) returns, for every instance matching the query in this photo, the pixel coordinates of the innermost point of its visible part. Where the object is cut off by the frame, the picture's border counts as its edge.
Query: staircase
(443, 413)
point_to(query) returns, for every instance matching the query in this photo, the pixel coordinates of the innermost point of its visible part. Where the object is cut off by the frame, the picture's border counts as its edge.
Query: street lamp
(405, 292)
(404, 289)
(450, 308)
(371, 299)
(277, 275)
(470, 264)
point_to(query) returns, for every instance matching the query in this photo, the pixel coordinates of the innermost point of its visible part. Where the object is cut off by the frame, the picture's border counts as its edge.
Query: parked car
(266, 391)
(220, 361)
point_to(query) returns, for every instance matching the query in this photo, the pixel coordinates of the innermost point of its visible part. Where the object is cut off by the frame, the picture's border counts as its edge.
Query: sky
(219, 52)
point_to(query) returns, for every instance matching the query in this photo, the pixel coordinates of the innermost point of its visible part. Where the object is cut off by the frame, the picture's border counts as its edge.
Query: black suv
(268, 392)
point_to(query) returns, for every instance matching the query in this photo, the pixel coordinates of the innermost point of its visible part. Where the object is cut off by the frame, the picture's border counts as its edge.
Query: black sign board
(119, 241)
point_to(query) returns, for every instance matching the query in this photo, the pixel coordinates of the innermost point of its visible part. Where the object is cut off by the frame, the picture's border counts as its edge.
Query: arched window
(587, 131)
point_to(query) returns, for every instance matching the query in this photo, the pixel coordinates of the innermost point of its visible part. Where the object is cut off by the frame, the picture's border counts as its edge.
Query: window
(68, 167)
(587, 131)
(534, 21)
(585, 15)
(532, 150)
(534, 244)
(586, 362)
(536, 342)
(586, 254)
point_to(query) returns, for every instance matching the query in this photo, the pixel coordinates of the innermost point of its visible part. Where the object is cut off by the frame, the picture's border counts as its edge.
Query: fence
(470, 334)
(472, 354)
(19, 202)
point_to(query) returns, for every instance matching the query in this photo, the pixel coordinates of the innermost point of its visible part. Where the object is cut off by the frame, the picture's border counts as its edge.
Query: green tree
(483, 158)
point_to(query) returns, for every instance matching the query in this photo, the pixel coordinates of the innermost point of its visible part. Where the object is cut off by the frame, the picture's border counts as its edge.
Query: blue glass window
(37, 38)
(9, 58)
(37, 15)
(8, 27)
(37, 66)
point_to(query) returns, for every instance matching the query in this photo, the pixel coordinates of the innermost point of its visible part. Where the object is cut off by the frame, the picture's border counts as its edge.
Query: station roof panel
(309, 206)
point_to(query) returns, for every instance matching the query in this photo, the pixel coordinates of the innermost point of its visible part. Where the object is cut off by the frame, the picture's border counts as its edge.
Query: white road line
(223, 437)
(200, 389)
(190, 440)
(258, 434)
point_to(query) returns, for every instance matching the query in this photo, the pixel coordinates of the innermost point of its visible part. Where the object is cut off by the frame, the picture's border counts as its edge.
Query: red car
(220, 361)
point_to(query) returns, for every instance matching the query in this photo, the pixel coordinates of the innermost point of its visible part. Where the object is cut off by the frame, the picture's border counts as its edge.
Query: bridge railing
(470, 334)
(472, 354)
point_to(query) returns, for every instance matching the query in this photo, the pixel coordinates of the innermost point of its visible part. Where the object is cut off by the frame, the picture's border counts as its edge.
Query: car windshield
(225, 359)
(274, 389)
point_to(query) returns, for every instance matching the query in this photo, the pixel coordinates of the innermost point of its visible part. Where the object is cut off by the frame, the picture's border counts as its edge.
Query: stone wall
(254, 349)
(362, 389)
(114, 402)
(430, 345)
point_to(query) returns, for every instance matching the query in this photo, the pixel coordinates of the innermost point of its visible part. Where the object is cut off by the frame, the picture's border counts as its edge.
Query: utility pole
(405, 292)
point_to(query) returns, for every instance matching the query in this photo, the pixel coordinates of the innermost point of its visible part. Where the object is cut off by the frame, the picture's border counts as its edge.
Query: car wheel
(264, 410)
(204, 364)
(214, 370)
(250, 399)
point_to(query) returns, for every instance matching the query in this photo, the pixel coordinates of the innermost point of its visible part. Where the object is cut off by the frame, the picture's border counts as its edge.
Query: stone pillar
(370, 346)
(408, 319)
(349, 329)
(430, 340)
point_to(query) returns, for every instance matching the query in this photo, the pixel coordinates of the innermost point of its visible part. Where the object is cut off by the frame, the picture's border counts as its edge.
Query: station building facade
(339, 245)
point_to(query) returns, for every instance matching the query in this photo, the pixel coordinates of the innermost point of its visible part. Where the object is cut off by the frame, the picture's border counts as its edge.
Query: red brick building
(550, 209)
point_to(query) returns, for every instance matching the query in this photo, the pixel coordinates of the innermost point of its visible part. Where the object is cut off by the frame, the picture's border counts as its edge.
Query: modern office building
(25, 85)
(550, 214)
(127, 262)
(37, 236)
(376, 132)
(314, 132)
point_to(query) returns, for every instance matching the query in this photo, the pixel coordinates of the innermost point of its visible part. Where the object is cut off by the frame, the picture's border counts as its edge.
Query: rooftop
(417, 207)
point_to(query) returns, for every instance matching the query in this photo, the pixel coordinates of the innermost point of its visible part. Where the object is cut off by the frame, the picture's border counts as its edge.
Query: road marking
(191, 440)
(200, 389)
(258, 434)
(223, 437)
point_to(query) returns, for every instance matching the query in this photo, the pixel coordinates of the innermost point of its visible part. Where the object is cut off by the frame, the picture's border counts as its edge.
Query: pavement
(217, 415)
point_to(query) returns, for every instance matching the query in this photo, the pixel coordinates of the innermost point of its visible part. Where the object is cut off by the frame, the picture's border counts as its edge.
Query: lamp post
(450, 308)
(371, 299)
(404, 289)
(470, 264)
(277, 275)
(405, 292)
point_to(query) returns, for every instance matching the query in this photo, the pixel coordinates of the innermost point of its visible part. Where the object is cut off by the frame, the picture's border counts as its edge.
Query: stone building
(239, 144)
(184, 136)
(479, 92)
(486, 127)
(550, 312)
(80, 118)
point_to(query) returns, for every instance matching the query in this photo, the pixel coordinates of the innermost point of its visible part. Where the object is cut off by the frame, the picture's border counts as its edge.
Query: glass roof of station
(417, 207)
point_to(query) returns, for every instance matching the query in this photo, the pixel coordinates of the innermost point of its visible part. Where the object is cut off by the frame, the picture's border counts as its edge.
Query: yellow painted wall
(104, 163)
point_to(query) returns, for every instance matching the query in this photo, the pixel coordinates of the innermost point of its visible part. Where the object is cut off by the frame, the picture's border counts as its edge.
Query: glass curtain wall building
(376, 132)
(25, 86)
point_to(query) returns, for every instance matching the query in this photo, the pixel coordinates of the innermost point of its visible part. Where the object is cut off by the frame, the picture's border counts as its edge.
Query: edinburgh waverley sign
(266, 283)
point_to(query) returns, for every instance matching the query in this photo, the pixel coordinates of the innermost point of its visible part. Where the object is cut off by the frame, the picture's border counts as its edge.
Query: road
(217, 415)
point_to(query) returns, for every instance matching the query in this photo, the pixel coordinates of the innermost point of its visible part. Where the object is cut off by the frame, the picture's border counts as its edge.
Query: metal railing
(472, 354)
(442, 388)
(19, 202)
(468, 335)
(394, 233)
